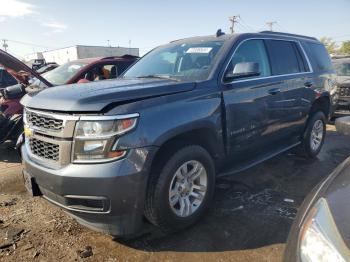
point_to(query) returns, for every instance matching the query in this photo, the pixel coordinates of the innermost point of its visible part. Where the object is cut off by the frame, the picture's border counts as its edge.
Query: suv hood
(343, 81)
(13, 66)
(94, 97)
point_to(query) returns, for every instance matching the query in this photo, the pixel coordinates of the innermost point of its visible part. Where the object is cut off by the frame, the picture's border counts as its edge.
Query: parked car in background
(88, 69)
(38, 63)
(48, 67)
(6, 79)
(93, 69)
(11, 124)
(151, 144)
(321, 229)
(342, 68)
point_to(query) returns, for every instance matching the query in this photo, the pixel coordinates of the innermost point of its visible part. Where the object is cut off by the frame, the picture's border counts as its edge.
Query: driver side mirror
(242, 70)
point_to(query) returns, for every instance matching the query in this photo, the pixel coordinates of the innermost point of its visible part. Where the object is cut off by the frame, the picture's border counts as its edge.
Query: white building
(33, 56)
(64, 55)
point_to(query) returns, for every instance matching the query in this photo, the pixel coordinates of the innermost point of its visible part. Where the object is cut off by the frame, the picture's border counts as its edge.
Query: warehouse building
(64, 55)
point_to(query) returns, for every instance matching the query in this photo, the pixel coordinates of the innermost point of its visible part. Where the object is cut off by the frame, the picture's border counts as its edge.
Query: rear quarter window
(319, 57)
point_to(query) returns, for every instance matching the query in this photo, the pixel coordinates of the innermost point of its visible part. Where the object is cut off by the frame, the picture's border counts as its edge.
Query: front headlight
(320, 239)
(96, 140)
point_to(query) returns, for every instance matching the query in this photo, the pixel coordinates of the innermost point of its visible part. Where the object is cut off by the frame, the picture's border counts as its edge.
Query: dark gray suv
(148, 146)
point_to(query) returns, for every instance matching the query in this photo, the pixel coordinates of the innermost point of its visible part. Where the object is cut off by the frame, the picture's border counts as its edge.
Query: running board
(248, 164)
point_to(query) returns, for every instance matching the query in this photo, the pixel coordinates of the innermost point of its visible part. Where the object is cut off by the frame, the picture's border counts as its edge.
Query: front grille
(44, 122)
(344, 91)
(44, 150)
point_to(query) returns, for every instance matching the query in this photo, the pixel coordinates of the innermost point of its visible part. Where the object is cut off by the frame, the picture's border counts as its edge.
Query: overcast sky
(33, 25)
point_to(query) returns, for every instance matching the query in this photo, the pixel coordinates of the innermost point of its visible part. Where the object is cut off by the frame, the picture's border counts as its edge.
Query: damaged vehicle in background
(342, 68)
(151, 144)
(321, 229)
(82, 71)
(48, 67)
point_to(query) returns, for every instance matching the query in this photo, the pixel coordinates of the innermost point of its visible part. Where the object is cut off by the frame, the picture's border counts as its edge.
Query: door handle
(274, 91)
(308, 84)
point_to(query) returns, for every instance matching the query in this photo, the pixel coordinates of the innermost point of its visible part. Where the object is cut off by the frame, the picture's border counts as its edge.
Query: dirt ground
(249, 221)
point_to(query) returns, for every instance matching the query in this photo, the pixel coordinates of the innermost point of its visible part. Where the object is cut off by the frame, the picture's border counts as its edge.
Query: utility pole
(5, 45)
(270, 24)
(233, 20)
(108, 44)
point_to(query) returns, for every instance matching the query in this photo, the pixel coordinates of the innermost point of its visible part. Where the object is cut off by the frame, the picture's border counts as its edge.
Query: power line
(253, 28)
(28, 44)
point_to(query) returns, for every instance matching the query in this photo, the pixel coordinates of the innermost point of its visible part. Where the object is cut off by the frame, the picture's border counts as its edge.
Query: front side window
(179, 61)
(250, 60)
(284, 57)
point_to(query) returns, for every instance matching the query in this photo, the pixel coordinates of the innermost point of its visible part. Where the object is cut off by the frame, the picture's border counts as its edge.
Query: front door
(252, 100)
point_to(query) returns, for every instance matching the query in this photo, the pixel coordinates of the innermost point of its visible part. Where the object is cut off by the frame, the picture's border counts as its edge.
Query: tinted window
(319, 57)
(284, 57)
(9, 79)
(252, 51)
(6, 78)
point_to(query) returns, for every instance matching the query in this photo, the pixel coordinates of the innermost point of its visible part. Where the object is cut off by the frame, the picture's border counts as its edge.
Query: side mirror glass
(242, 70)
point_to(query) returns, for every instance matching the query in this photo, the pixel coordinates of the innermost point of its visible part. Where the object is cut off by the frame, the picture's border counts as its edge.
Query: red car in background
(78, 71)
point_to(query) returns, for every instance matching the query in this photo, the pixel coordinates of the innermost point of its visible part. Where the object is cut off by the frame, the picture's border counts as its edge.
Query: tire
(309, 148)
(158, 209)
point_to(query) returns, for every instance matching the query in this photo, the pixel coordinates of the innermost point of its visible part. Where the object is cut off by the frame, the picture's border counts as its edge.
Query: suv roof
(230, 36)
(288, 35)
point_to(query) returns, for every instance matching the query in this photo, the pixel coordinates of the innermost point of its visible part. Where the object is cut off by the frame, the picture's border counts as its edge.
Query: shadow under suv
(150, 144)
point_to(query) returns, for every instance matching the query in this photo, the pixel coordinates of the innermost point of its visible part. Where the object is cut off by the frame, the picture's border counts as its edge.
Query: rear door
(289, 65)
(250, 101)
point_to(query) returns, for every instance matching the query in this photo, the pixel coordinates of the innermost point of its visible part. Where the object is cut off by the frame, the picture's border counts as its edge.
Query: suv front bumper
(343, 106)
(106, 197)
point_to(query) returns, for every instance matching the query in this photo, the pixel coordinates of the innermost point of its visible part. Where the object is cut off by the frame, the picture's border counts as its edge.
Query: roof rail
(288, 34)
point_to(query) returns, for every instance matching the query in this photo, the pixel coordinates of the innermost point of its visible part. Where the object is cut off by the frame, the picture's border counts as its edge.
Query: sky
(34, 25)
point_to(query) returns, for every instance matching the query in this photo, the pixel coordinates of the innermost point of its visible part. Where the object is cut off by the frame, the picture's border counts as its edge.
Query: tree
(345, 48)
(330, 44)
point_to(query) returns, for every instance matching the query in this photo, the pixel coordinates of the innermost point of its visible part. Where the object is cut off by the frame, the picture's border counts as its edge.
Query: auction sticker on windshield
(199, 50)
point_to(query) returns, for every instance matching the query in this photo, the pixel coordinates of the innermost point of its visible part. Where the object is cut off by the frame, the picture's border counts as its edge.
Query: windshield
(62, 74)
(342, 69)
(182, 61)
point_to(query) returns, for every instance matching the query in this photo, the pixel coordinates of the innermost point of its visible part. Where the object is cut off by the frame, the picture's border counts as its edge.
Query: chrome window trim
(271, 76)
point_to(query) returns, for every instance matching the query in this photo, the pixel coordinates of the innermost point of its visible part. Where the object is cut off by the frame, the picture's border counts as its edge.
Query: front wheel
(180, 194)
(314, 135)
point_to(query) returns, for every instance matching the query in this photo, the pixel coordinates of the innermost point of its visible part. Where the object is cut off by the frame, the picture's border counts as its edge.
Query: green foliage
(345, 48)
(330, 44)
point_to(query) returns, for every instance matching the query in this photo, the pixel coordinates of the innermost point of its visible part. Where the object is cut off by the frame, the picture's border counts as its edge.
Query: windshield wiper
(159, 77)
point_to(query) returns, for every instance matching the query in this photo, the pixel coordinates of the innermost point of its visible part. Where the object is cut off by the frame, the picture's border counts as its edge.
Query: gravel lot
(249, 221)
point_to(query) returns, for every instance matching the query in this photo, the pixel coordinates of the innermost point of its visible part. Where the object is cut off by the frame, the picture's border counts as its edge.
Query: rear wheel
(314, 135)
(181, 192)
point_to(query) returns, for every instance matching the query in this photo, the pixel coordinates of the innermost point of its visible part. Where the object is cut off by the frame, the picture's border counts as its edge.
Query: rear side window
(319, 56)
(285, 57)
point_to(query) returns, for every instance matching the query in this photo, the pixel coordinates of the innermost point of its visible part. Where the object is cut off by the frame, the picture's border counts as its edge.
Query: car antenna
(219, 33)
